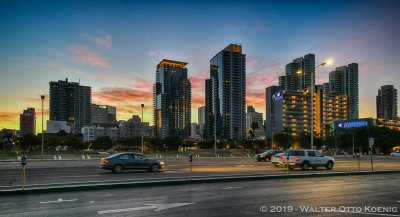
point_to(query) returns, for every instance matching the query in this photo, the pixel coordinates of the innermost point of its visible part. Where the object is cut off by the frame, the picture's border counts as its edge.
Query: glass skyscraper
(172, 100)
(226, 94)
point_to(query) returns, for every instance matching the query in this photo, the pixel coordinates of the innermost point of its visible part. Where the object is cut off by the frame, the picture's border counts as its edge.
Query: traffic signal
(190, 157)
(23, 160)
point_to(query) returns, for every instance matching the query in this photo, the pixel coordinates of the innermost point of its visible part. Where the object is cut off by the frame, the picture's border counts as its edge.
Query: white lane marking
(230, 187)
(337, 181)
(91, 201)
(157, 207)
(59, 201)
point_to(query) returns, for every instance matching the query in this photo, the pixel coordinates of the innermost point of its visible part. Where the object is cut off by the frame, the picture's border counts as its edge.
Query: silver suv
(305, 159)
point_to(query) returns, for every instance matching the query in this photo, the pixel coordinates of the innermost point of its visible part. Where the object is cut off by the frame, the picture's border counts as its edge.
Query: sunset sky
(114, 47)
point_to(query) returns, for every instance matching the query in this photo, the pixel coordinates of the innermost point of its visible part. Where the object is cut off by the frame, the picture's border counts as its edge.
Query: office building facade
(27, 122)
(254, 117)
(135, 127)
(292, 111)
(201, 117)
(172, 100)
(103, 115)
(69, 101)
(226, 94)
(386, 103)
(270, 110)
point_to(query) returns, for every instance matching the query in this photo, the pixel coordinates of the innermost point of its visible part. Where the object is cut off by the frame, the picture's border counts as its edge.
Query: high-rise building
(212, 103)
(344, 80)
(172, 100)
(386, 103)
(226, 94)
(69, 101)
(194, 129)
(103, 115)
(201, 117)
(27, 122)
(254, 117)
(298, 74)
(269, 109)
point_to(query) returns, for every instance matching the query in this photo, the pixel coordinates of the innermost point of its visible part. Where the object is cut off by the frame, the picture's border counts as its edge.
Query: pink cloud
(143, 84)
(121, 77)
(85, 56)
(152, 53)
(104, 41)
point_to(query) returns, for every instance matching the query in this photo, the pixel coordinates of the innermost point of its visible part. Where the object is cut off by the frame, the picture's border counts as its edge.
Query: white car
(277, 159)
(305, 159)
(396, 153)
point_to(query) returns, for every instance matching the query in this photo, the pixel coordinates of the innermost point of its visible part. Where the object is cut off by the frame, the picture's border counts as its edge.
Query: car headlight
(162, 163)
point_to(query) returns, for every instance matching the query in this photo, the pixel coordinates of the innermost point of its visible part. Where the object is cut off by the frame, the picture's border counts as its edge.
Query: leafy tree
(52, 141)
(156, 144)
(173, 142)
(26, 142)
(73, 142)
(102, 142)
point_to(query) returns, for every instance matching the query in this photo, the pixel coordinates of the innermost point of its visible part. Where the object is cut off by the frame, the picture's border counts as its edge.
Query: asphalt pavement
(71, 173)
(371, 195)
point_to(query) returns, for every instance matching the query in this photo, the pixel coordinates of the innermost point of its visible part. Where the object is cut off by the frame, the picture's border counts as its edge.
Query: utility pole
(42, 97)
(142, 127)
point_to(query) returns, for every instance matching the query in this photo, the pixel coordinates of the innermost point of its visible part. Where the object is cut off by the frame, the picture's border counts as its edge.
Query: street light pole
(215, 133)
(42, 97)
(142, 127)
(312, 100)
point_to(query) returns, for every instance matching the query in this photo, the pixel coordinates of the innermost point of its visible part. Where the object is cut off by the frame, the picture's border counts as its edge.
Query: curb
(181, 182)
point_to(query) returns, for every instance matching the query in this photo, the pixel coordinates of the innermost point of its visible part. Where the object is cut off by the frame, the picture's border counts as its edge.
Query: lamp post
(42, 97)
(215, 133)
(142, 127)
(328, 62)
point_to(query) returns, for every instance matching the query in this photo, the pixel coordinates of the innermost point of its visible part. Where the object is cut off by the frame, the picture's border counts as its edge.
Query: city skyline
(118, 61)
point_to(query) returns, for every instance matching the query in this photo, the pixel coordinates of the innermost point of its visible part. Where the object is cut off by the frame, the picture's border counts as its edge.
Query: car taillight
(281, 157)
(105, 160)
(296, 158)
(272, 157)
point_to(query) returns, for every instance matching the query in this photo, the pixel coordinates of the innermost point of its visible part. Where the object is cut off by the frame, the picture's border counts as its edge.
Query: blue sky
(114, 46)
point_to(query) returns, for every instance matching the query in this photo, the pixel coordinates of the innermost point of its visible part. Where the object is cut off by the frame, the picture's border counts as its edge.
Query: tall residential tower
(27, 122)
(69, 101)
(172, 99)
(226, 94)
(386, 103)
(344, 80)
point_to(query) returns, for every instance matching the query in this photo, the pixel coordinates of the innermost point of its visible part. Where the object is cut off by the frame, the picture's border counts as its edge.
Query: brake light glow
(272, 158)
(281, 157)
(105, 160)
(296, 158)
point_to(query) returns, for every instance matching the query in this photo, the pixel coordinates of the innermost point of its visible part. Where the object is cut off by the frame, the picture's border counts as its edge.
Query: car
(266, 156)
(127, 160)
(396, 153)
(305, 159)
(277, 159)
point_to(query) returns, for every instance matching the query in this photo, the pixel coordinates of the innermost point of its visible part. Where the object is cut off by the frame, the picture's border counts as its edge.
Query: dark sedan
(266, 156)
(123, 161)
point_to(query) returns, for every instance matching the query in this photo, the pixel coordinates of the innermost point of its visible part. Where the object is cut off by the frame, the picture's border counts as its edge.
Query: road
(342, 196)
(61, 173)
